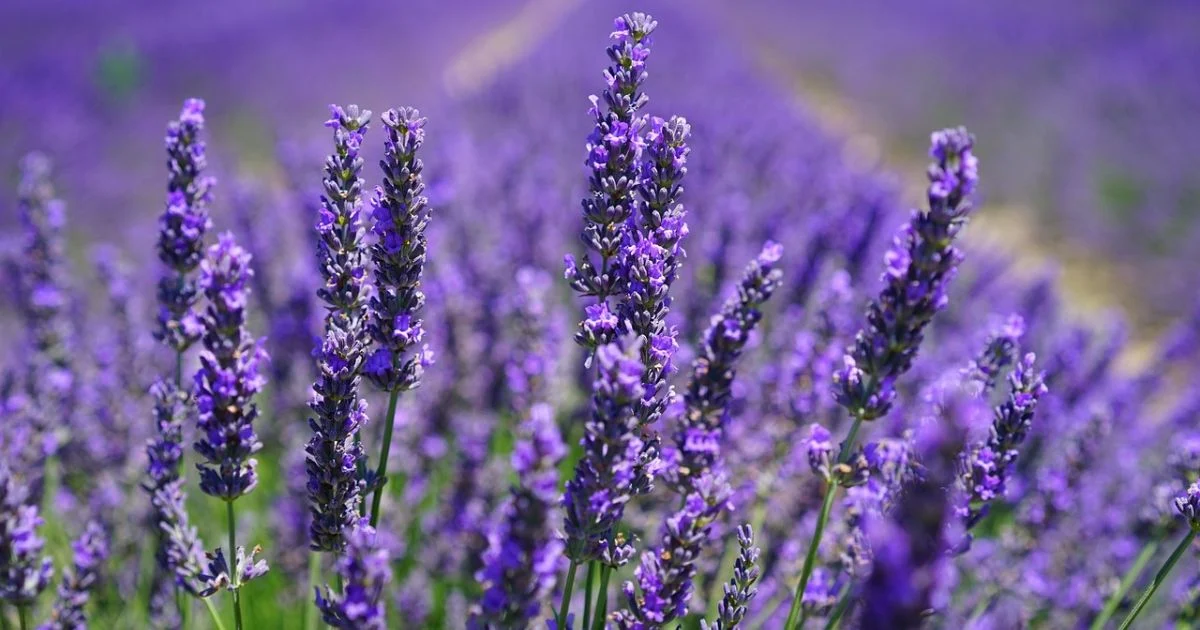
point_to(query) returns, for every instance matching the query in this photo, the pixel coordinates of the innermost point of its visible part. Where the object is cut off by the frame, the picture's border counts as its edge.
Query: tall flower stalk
(230, 376)
(401, 213)
(921, 263)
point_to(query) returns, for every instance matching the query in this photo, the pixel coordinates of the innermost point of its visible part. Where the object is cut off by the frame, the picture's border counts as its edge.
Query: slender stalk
(844, 601)
(23, 614)
(389, 421)
(587, 595)
(233, 579)
(1159, 578)
(564, 606)
(212, 612)
(1131, 576)
(314, 580)
(3, 617)
(602, 599)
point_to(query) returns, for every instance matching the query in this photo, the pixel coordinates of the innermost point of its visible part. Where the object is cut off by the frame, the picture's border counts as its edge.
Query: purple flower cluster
(90, 552)
(741, 587)
(364, 570)
(24, 571)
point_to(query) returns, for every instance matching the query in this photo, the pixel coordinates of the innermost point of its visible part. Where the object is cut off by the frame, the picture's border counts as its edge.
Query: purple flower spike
(91, 551)
(741, 588)
(607, 476)
(182, 228)
(920, 265)
(1188, 505)
(365, 569)
(24, 571)
(229, 377)
(401, 213)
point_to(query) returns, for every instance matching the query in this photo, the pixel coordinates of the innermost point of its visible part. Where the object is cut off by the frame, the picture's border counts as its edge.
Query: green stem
(848, 444)
(1159, 578)
(23, 614)
(3, 617)
(602, 599)
(233, 579)
(389, 421)
(587, 595)
(314, 580)
(1131, 576)
(564, 606)
(212, 612)
(810, 560)
(839, 611)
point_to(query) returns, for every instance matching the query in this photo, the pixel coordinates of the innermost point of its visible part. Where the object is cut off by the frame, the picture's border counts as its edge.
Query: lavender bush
(783, 401)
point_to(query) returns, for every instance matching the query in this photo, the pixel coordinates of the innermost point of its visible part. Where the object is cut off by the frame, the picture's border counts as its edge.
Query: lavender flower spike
(698, 437)
(91, 550)
(524, 555)
(614, 151)
(741, 588)
(229, 376)
(365, 570)
(24, 572)
(920, 265)
(182, 228)
(664, 579)
(606, 477)
(400, 215)
(333, 456)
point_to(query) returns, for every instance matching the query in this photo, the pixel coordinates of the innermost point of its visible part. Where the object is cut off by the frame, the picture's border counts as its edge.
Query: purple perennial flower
(920, 265)
(741, 588)
(333, 455)
(91, 551)
(524, 555)
(229, 377)
(664, 578)
(24, 571)
(401, 213)
(365, 570)
(1000, 351)
(698, 437)
(606, 478)
(614, 152)
(182, 228)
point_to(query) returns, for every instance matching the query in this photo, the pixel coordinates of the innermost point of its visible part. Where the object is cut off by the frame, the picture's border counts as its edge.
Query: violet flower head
(740, 589)
(664, 578)
(1188, 505)
(90, 553)
(181, 552)
(920, 266)
(182, 228)
(230, 375)
(614, 150)
(365, 570)
(1000, 351)
(333, 455)
(698, 436)
(217, 575)
(986, 467)
(401, 214)
(24, 571)
(610, 472)
(524, 554)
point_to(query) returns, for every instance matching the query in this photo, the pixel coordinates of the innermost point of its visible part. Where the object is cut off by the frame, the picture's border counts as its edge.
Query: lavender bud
(741, 588)
(1188, 505)
(24, 572)
(365, 570)
(90, 551)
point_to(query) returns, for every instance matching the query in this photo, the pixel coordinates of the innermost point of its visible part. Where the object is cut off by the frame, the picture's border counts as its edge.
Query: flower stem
(843, 605)
(23, 615)
(1127, 582)
(810, 560)
(587, 595)
(212, 612)
(602, 599)
(311, 614)
(564, 606)
(233, 579)
(380, 473)
(1159, 578)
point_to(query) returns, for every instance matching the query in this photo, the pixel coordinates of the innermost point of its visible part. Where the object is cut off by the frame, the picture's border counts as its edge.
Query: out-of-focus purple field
(797, 363)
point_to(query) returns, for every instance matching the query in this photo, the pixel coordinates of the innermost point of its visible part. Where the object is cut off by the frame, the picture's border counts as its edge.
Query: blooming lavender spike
(614, 150)
(182, 228)
(400, 213)
(741, 588)
(606, 478)
(24, 572)
(91, 551)
(664, 578)
(920, 265)
(365, 571)
(986, 467)
(43, 305)
(333, 456)
(1000, 351)
(229, 377)
(524, 555)
(698, 437)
